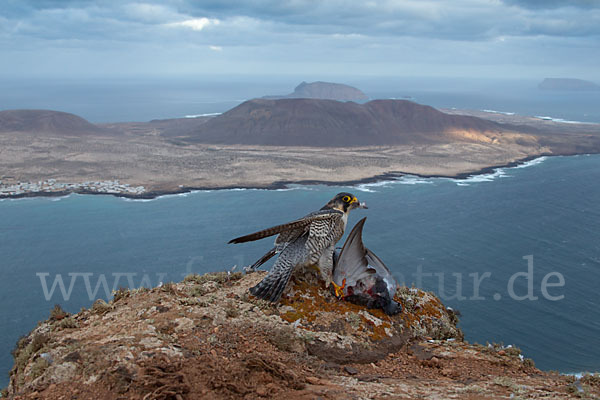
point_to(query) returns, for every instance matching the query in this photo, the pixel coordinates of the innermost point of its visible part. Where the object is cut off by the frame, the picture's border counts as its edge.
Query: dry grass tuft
(218, 277)
(67, 323)
(57, 313)
(101, 307)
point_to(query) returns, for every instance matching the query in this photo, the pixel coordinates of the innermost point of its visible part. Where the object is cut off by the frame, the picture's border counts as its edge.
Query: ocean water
(521, 97)
(144, 99)
(439, 234)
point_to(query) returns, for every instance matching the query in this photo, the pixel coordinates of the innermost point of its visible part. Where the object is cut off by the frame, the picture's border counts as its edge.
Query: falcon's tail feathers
(272, 286)
(262, 260)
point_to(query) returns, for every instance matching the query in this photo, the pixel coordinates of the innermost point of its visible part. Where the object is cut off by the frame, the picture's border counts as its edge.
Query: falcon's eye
(346, 199)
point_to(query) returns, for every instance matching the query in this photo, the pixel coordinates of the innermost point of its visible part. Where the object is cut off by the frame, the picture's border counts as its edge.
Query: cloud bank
(291, 36)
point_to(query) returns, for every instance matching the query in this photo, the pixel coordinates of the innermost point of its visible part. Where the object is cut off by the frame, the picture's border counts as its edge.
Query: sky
(462, 38)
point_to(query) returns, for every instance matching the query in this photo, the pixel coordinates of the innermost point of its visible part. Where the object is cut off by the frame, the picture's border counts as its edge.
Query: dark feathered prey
(306, 241)
(360, 277)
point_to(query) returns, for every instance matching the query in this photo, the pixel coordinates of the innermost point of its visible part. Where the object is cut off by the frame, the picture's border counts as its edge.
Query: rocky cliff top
(207, 338)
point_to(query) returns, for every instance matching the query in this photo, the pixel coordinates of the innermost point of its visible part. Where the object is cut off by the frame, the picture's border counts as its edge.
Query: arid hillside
(328, 123)
(48, 122)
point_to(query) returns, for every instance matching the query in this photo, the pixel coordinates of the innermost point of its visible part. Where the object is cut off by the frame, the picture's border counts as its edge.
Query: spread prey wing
(352, 263)
(383, 271)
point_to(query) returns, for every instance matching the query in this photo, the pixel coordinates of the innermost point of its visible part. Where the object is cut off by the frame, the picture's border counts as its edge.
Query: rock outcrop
(207, 338)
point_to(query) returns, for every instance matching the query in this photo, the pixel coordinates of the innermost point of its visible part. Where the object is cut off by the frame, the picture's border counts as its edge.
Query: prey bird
(304, 242)
(359, 276)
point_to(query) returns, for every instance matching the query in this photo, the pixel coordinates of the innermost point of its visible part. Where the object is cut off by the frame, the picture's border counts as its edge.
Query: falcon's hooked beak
(357, 204)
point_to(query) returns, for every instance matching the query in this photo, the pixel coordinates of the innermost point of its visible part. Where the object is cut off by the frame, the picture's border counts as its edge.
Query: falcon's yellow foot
(339, 290)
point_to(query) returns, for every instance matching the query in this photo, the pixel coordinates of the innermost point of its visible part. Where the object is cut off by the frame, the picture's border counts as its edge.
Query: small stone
(331, 365)
(502, 353)
(73, 357)
(313, 380)
(350, 370)
(162, 309)
(47, 357)
(261, 391)
(368, 378)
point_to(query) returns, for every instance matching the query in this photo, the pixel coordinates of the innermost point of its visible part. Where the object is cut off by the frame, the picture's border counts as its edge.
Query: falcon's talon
(339, 290)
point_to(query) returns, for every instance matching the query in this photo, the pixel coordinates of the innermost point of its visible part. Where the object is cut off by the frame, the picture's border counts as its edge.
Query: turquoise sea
(529, 235)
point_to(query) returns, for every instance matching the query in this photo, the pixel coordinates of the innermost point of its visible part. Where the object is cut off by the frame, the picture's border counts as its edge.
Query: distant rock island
(567, 84)
(324, 90)
(328, 123)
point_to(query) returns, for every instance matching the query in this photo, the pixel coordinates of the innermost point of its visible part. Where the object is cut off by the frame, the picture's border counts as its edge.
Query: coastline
(284, 184)
(144, 162)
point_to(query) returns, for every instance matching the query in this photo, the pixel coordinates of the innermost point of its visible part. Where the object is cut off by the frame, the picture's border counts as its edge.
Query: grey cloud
(161, 34)
(551, 4)
(251, 21)
(459, 19)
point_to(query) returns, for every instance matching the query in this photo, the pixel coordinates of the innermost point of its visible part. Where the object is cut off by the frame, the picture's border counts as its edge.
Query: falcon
(304, 242)
(359, 276)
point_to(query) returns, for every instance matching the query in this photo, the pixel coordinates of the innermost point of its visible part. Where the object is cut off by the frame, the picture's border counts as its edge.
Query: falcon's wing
(352, 263)
(298, 227)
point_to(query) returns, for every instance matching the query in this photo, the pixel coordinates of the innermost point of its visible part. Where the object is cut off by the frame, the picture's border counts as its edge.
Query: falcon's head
(344, 202)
